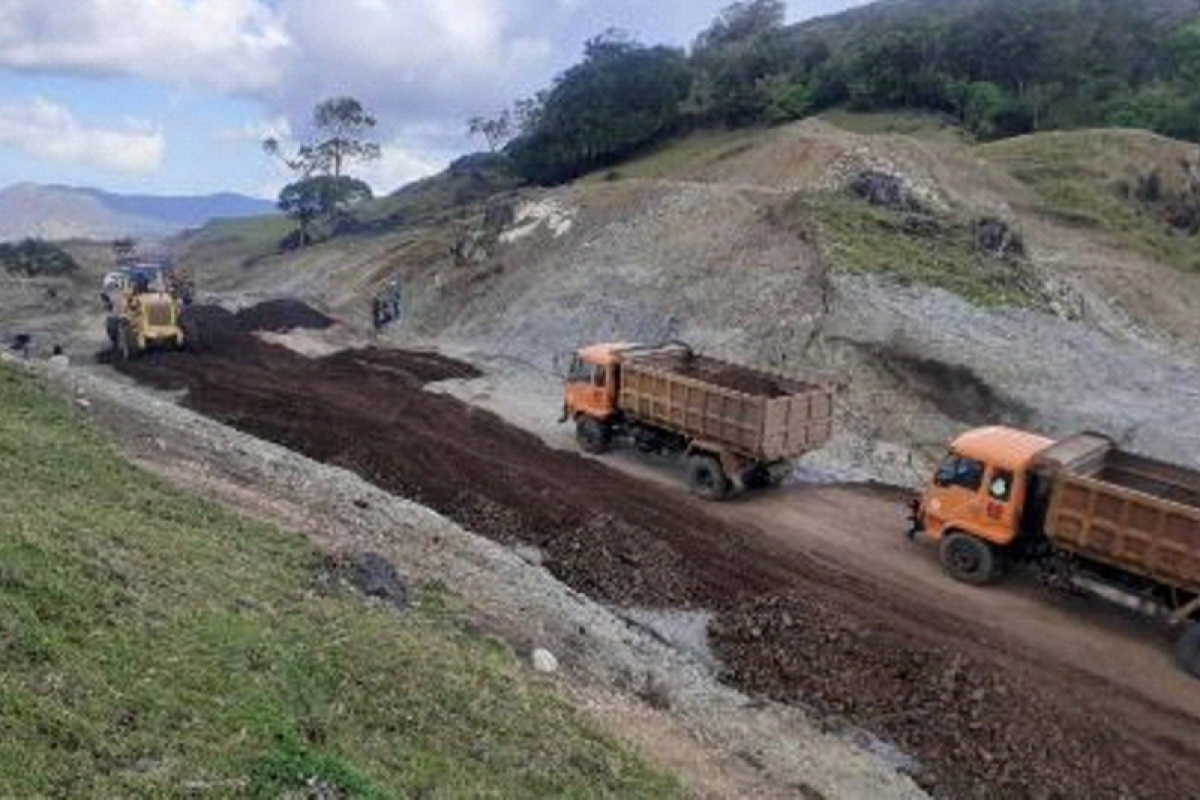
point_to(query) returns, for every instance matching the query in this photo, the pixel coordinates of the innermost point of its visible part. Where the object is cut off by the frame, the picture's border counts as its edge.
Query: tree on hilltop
(341, 136)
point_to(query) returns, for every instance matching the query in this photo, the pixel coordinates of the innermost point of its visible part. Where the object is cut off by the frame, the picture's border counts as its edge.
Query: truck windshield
(580, 372)
(966, 473)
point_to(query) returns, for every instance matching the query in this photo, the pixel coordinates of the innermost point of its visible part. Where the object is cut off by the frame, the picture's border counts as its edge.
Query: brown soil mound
(982, 720)
(281, 316)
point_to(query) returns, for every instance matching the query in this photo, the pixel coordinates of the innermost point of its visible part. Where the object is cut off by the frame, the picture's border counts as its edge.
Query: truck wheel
(706, 478)
(593, 435)
(968, 559)
(1187, 650)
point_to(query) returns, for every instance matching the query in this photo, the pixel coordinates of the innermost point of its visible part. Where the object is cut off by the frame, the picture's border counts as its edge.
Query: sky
(175, 96)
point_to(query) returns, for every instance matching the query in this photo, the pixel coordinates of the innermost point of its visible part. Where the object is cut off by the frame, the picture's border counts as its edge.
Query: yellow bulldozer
(145, 305)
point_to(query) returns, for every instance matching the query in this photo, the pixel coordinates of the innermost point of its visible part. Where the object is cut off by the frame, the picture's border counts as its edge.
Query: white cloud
(277, 127)
(399, 164)
(51, 132)
(229, 45)
(423, 67)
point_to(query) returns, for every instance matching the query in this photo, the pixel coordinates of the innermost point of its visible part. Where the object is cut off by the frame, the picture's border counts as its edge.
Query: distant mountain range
(67, 212)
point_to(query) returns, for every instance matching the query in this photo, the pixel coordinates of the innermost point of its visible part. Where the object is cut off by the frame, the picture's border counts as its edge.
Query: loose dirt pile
(981, 721)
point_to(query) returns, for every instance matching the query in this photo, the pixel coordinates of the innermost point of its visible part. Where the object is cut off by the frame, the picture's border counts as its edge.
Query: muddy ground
(982, 715)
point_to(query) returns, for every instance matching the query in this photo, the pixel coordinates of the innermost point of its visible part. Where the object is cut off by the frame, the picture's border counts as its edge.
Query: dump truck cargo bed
(752, 413)
(1125, 510)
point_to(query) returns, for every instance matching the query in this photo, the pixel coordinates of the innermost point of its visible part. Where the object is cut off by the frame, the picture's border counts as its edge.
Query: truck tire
(593, 435)
(1187, 650)
(706, 478)
(969, 559)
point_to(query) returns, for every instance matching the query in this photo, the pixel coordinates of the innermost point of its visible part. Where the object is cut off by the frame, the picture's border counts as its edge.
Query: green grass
(220, 253)
(682, 158)
(907, 123)
(156, 645)
(854, 236)
(1078, 179)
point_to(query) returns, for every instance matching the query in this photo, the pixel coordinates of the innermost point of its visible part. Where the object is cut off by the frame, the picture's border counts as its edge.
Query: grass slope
(153, 644)
(857, 237)
(1089, 179)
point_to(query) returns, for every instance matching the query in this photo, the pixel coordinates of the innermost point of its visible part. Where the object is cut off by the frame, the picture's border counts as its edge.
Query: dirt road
(816, 598)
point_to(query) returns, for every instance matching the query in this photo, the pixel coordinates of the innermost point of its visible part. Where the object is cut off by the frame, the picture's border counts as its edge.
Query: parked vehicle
(1080, 511)
(738, 427)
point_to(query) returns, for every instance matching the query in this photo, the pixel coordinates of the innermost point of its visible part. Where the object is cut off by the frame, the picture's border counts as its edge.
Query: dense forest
(996, 68)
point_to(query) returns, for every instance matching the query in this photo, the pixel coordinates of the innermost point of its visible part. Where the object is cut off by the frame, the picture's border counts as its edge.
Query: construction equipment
(1080, 511)
(738, 427)
(144, 304)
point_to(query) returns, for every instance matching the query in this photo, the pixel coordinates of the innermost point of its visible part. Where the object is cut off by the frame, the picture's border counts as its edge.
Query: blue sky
(175, 99)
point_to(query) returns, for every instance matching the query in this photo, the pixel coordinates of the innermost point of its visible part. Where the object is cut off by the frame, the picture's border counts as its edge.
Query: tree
(341, 127)
(742, 22)
(345, 125)
(1184, 50)
(324, 197)
(496, 131)
(739, 58)
(623, 96)
(35, 257)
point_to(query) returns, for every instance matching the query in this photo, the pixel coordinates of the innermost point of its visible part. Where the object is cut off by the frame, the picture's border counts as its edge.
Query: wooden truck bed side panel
(1130, 512)
(759, 426)
(797, 424)
(692, 408)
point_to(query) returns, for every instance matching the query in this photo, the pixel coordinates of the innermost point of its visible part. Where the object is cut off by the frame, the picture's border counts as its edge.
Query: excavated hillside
(1034, 281)
(1048, 281)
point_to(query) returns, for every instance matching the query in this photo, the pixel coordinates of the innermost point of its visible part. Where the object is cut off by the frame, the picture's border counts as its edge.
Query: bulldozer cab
(591, 383)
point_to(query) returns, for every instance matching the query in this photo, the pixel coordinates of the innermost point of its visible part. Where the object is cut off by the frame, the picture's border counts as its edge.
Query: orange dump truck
(738, 427)
(1079, 511)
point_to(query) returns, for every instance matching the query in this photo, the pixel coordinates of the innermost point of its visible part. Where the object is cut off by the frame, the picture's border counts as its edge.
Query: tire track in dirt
(983, 721)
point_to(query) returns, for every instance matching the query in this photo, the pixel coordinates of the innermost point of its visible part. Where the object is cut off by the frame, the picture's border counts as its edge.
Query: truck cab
(592, 380)
(977, 497)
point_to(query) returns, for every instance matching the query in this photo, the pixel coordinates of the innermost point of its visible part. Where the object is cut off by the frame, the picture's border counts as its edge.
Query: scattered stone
(530, 555)
(995, 236)
(375, 576)
(655, 691)
(883, 189)
(544, 661)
